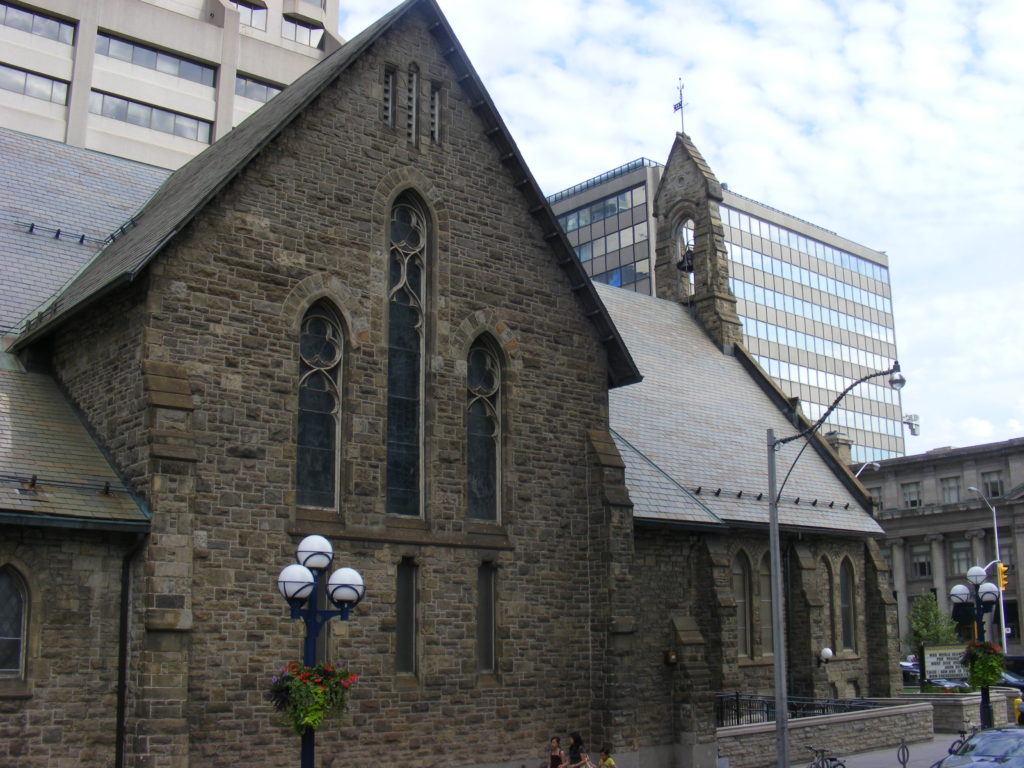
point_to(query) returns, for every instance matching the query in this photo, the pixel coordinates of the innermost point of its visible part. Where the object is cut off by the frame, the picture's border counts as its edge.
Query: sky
(898, 125)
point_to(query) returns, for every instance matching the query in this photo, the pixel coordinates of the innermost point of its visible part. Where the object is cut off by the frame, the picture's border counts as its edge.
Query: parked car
(911, 673)
(1010, 680)
(1003, 747)
(952, 685)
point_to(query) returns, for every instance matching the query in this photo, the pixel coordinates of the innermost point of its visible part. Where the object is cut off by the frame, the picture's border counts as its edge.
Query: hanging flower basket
(984, 662)
(305, 696)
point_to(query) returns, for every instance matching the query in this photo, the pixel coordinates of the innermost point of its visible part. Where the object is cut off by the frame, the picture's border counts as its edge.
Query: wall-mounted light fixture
(824, 656)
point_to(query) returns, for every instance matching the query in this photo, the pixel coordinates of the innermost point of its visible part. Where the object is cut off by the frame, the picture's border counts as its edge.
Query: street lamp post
(984, 595)
(299, 584)
(998, 559)
(896, 381)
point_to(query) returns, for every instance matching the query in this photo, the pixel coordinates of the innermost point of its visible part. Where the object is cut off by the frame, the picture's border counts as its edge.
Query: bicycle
(962, 738)
(824, 758)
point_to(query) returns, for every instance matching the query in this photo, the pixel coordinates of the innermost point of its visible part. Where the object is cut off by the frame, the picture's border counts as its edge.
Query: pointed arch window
(848, 606)
(407, 267)
(483, 427)
(765, 585)
(741, 592)
(13, 603)
(321, 346)
(828, 586)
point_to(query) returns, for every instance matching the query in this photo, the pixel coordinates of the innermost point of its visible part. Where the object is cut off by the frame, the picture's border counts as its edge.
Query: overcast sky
(899, 125)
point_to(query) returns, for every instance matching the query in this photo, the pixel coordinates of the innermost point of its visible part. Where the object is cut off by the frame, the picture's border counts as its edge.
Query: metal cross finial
(679, 106)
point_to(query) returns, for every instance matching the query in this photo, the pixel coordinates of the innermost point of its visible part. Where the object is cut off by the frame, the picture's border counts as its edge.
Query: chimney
(841, 444)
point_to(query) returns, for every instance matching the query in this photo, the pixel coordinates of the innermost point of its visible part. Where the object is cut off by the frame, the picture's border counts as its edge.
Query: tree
(929, 626)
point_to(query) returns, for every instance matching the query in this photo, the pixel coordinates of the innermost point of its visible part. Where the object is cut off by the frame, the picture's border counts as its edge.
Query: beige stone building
(152, 80)
(936, 526)
(555, 492)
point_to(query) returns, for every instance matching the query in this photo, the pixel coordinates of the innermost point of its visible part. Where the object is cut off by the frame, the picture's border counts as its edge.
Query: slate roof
(189, 188)
(42, 436)
(46, 186)
(699, 420)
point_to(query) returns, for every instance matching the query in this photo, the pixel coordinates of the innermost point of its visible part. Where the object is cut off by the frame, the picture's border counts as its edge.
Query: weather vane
(679, 107)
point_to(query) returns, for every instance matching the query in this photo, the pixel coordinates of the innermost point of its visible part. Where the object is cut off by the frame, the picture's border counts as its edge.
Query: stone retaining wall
(753, 746)
(955, 711)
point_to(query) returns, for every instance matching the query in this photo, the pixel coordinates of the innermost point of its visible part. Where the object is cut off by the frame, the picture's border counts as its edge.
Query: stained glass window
(405, 355)
(483, 424)
(12, 622)
(320, 352)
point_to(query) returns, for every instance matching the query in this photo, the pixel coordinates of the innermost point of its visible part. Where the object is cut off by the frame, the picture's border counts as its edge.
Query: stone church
(355, 315)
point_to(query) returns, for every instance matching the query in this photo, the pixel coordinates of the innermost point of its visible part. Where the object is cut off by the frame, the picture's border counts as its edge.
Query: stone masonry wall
(65, 718)
(306, 220)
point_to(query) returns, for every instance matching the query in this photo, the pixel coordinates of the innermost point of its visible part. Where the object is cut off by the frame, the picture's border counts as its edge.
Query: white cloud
(897, 125)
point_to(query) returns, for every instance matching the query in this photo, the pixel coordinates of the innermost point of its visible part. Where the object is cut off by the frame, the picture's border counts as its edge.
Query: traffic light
(1003, 580)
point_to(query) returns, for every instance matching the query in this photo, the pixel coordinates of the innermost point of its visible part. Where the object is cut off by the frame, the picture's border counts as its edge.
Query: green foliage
(984, 662)
(306, 695)
(928, 625)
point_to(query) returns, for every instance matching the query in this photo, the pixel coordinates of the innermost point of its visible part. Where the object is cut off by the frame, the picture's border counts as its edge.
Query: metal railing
(744, 708)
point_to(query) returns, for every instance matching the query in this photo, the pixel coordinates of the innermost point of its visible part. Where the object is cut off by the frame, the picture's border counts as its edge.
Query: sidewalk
(921, 754)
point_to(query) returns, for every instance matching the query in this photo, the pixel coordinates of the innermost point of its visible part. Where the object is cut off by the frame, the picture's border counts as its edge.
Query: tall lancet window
(321, 346)
(483, 426)
(407, 267)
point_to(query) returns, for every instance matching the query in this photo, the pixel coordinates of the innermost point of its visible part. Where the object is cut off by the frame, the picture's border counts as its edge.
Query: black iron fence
(745, 708)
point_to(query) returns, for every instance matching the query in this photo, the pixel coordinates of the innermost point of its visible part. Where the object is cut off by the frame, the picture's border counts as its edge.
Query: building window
(848, 605)
(37, 24)
(741, 593)
(920, 561)
(911, 494)
(435, 113)
(157, 119)
(321, 346)
(992, 483)
(407, 266)
(405, 617)
(150, 58)
(1006, 554)
(254, 89)
(13, 605)
(412, 100)
(876, 497)
(483, 427)
(31, 84)
(389, 97)
(486, 614)
(950, 489)
(960, 555)
(304, 34)
(765, 583)
(250, 15)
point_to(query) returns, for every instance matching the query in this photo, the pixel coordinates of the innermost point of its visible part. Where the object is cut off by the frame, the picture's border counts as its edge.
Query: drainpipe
(122, 649)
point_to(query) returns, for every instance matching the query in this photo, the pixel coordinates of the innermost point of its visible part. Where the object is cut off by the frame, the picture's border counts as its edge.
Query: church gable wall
(307, 220)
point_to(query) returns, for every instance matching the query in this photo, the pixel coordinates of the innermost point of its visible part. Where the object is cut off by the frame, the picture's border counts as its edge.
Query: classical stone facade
(620, 608)
(936, 527)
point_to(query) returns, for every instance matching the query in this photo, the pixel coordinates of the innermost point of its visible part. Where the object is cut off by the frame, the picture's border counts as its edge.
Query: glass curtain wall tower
(816, 308)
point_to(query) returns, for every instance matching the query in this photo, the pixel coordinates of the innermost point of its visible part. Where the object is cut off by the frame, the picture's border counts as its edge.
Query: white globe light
(960, 594)
(975, 574)
(314, 552)
(345, 586)
(826, 654)
(989, 592)
(295, 582)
